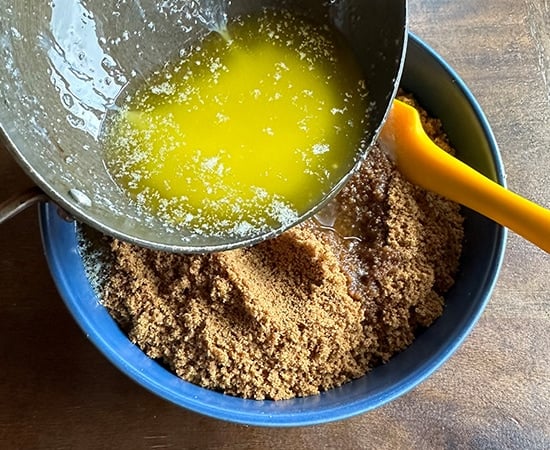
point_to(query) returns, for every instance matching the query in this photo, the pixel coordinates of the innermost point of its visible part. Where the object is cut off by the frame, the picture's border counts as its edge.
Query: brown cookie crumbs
(318, 306)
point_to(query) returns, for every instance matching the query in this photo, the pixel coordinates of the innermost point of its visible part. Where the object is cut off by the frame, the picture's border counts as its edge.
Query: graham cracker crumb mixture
(307, 311)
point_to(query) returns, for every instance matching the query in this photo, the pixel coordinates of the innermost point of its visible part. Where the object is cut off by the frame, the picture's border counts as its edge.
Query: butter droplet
(80, 198)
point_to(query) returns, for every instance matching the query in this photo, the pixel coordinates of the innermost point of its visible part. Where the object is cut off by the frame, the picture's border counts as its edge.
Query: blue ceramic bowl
(444, 95)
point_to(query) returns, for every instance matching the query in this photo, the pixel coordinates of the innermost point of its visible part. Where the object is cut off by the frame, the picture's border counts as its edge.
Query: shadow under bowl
(439, 89)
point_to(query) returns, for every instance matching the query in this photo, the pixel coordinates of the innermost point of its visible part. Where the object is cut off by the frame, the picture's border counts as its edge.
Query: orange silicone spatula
(423, 163)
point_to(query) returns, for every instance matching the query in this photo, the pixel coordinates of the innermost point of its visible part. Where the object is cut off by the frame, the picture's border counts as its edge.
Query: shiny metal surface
(63, 64)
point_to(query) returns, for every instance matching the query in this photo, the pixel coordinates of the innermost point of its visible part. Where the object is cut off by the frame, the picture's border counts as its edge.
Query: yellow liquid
(242, 136)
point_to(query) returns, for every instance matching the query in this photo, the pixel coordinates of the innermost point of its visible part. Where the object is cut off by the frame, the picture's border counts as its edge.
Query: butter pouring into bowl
(52, 123)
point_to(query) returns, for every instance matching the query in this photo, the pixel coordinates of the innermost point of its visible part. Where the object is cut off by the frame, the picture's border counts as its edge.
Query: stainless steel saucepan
(63, 63)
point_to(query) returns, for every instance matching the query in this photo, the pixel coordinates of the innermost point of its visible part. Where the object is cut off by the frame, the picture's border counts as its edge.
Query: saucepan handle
(17, 203)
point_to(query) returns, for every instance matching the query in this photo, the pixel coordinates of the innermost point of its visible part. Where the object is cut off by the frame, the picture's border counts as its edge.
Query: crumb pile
(307, 311)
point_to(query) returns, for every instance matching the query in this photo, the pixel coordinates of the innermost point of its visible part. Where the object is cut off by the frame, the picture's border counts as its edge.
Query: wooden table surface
(57, 391)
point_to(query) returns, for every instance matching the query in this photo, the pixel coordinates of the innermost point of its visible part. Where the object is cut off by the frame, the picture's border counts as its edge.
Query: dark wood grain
(57, 391)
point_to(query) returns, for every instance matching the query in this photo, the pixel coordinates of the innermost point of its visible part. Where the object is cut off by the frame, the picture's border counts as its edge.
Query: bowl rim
(225, 407)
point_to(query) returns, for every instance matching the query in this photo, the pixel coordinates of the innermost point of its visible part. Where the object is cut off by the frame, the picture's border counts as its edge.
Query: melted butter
(244, 134)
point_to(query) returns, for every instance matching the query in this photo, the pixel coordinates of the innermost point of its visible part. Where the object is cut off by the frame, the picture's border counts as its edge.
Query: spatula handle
(425, 164)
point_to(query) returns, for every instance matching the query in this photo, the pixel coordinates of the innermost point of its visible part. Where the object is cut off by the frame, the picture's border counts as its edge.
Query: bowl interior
(441, 91)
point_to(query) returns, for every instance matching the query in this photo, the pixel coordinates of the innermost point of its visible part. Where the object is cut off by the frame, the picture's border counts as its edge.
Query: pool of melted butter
(244, 133)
